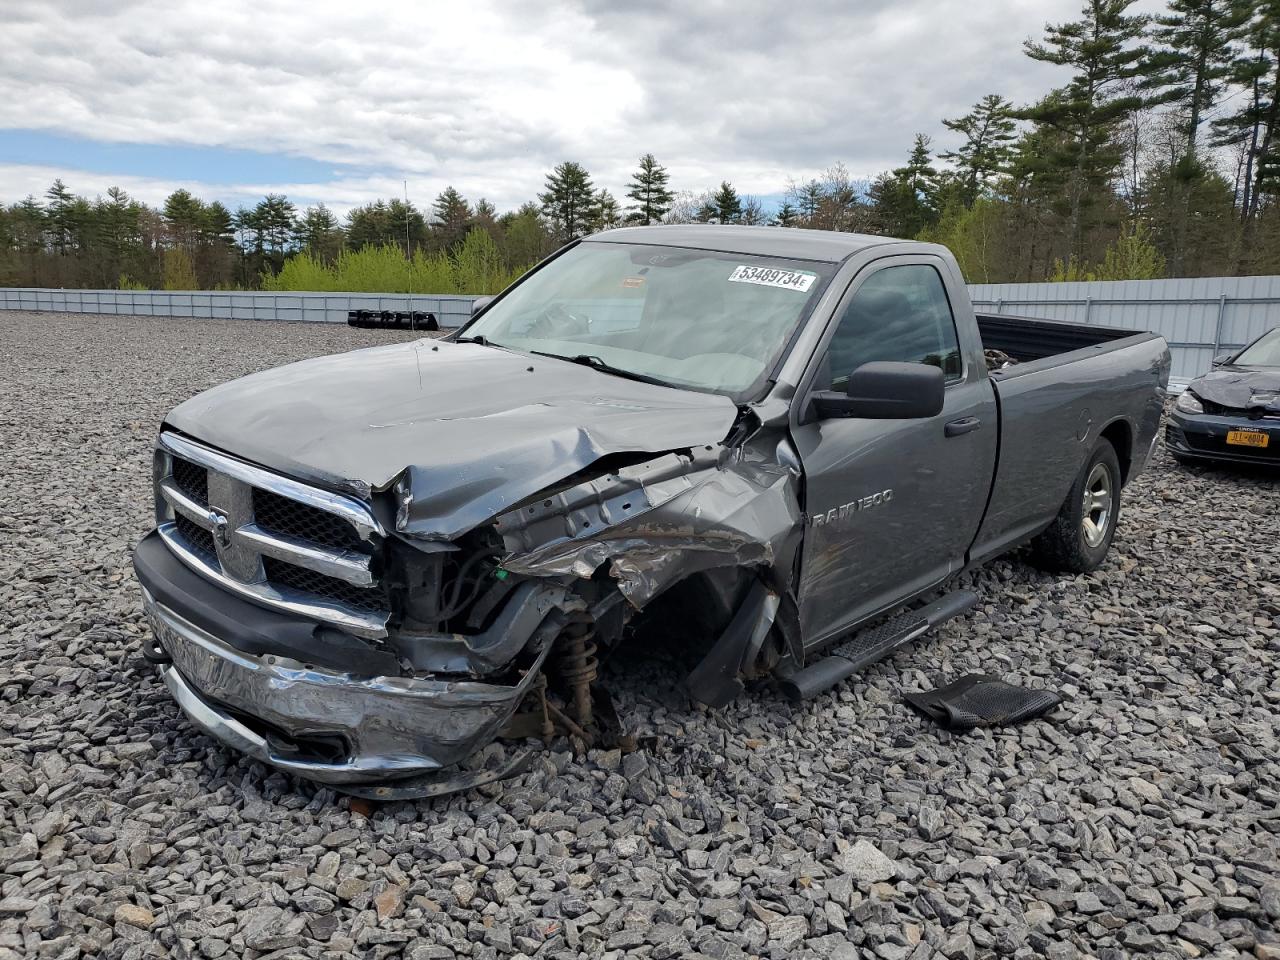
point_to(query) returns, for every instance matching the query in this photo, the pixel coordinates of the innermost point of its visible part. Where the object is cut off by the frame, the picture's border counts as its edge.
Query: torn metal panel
(603, 501)
(468, 430)
(660, 521)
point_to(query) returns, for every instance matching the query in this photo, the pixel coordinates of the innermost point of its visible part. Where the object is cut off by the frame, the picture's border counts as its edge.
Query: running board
(869, 646)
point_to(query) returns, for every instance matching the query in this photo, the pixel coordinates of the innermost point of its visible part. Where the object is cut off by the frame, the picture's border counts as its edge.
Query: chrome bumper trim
(394, 726)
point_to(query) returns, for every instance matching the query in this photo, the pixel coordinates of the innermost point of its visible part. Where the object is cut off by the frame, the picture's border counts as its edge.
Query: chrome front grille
(282, 515)
(273, 539)
(193, 480)
(197, 537)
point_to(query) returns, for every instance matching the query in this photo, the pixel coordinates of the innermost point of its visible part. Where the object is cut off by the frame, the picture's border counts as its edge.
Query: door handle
(964, 425)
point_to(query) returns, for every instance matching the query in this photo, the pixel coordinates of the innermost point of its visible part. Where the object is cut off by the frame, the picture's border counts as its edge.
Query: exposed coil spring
(578, 666)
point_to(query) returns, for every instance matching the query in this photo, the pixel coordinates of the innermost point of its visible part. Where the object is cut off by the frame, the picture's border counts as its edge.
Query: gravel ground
(1141, 818)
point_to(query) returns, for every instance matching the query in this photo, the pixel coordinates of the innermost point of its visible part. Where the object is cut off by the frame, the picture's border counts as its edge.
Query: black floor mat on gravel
(980, 701)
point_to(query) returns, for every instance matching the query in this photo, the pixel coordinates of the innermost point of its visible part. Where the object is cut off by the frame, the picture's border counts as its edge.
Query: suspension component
(578, 665)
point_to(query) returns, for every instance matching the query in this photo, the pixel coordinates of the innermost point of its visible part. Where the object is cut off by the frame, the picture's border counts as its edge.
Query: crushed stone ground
(1141, 818)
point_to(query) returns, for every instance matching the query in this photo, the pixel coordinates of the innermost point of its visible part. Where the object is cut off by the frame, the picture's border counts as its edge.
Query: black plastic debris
(980, 701)
(398, 319)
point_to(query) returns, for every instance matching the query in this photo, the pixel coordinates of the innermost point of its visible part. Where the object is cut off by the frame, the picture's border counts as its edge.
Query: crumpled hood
(1240, 387)
(474, 429)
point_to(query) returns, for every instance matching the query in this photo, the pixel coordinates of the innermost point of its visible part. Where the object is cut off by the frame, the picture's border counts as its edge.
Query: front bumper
(331, 724)
(1204, 436)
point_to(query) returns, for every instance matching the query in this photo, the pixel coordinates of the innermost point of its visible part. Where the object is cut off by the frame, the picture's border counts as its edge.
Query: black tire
(1069, 544)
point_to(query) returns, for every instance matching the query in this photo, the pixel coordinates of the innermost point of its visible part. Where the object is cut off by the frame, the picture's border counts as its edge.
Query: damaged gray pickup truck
(368, 567)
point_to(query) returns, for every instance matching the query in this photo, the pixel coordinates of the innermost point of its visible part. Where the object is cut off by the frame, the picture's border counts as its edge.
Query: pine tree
(649, 190)
(486, 215)
(1102, 49)
(370, 225)
(723, 206)
(218, 227)
(988, 131)
(1195, 57)
(183, 215)
(453, 218)
(406, 226)
(605, 213)
(276, 216)
(810, 200)
(119, 233)
(1253, 126)
(30, 221)
(216, 262)
(319, 234)
(58, 215)
(1190, 68)
(568, 200)
(905, 201)
(787, 216)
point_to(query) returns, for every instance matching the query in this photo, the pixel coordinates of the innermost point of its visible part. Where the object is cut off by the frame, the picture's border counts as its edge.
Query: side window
(899, 313)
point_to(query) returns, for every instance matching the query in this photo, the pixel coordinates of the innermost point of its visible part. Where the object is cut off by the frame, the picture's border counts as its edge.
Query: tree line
(1157, 156)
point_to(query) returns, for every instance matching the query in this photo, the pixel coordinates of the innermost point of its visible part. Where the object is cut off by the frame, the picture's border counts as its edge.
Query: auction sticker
(796, 280)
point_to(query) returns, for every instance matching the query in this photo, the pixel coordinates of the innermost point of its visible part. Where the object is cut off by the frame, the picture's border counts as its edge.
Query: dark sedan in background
(1233, 412)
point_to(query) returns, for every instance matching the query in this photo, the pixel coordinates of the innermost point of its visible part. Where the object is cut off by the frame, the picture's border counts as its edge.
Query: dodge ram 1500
(366, 567)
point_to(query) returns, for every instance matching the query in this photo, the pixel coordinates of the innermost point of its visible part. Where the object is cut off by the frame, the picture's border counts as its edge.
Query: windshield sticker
(628, 282)
(770, 277)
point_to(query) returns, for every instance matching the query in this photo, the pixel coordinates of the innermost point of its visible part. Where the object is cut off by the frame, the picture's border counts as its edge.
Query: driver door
(891, 505)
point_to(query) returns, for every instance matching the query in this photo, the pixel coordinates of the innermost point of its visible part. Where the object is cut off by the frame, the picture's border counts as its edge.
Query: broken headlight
(1188, 402)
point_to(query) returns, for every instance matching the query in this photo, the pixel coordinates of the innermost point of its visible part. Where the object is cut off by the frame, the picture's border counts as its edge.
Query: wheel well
(1120, 436)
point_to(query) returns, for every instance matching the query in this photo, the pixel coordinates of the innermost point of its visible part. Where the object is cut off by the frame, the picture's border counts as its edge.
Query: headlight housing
(1188, 402)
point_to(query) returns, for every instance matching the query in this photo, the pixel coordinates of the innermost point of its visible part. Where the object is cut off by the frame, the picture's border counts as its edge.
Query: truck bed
(1030, 339)
(1072, 384)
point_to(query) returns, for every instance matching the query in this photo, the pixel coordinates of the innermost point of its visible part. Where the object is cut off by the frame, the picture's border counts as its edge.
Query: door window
(898, 313)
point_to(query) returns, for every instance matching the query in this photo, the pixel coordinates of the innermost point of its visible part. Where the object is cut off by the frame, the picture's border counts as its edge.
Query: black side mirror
(885, 390)
(479, 303)
(1222, 358)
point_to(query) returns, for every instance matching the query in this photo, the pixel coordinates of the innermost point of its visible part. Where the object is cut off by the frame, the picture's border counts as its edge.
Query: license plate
(1248, 438)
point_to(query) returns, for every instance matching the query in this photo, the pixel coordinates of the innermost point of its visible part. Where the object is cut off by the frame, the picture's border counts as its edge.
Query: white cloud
(488, 96)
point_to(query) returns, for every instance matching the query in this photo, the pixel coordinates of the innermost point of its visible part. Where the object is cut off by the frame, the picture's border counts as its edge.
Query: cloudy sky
(340, 102)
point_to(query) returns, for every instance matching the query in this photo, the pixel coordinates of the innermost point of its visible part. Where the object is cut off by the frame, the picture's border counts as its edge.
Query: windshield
(707, 321)
(1265, 352)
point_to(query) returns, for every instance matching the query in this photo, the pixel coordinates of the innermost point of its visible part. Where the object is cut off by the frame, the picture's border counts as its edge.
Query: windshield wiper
(595, 363)
(479, 338)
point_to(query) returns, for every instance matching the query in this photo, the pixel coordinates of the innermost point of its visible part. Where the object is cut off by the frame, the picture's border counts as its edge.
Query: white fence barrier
(450, 311)
(1200, 318)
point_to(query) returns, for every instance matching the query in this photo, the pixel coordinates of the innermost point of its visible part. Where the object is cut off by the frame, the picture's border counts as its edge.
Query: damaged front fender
(657, 522)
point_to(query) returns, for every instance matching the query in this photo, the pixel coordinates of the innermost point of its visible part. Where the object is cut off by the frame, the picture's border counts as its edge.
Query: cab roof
(823, 245)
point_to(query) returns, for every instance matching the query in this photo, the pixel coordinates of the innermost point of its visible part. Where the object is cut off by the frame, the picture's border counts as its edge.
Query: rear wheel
(1079, 537)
